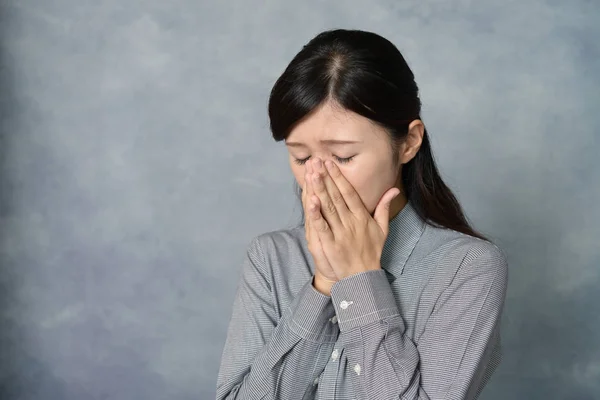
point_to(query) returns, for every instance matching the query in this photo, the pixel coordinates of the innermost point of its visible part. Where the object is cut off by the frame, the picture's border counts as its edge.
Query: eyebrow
(324, 141)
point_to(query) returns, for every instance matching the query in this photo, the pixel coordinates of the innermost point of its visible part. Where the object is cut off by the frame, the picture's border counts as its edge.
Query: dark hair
(365, 73)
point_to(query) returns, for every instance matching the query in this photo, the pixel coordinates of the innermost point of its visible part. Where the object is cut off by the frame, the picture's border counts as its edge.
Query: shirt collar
(405, 230)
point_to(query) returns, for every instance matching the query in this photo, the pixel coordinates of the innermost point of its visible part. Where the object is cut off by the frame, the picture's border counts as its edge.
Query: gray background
(136, 165)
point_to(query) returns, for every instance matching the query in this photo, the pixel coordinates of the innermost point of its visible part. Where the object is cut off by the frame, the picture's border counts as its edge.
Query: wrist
(322, 284)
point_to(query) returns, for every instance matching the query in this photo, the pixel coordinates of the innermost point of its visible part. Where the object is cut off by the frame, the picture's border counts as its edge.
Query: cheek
(371, 183)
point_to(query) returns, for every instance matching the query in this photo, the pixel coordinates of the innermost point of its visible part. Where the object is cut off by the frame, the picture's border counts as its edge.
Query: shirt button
(316, 381)
(357, 369)
(333, 319)
(344, 304)
(334, 355)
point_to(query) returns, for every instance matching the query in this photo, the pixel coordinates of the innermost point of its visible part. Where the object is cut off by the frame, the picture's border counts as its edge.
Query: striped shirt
(424, 326)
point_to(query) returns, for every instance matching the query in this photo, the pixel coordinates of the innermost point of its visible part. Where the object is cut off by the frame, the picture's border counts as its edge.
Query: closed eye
(344, 160)
(338, 159)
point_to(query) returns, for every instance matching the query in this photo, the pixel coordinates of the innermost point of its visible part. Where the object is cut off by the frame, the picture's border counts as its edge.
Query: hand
(351, 239)
(324, 275)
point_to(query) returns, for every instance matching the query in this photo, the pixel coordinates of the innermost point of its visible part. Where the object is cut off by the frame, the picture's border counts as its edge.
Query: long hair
(366, 74)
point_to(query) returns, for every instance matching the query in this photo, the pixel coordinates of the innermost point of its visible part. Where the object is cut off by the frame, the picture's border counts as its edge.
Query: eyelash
(340, 160)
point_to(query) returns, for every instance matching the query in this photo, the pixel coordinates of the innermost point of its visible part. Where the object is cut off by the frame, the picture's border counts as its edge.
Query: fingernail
(329, 164)
(318, 163)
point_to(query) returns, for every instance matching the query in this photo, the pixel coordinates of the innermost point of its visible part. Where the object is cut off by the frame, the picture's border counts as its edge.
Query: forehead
(333, 122)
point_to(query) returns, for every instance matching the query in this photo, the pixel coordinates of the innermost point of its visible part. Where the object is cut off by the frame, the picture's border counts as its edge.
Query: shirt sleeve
(455, 354)
(267, 357)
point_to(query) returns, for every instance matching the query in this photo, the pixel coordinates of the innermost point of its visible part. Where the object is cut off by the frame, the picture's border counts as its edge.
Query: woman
(384, 291)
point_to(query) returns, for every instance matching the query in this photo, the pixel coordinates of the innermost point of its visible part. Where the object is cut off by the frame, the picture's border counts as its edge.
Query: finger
(307, 181)
(313, 212)
(335, 195)
(328, 208)
(382, 211)
(309, 167)
(304, 192)
(316, 249)
(309, 188)
(308, 201)
(349, 194)
(318, 222)
(304, 207)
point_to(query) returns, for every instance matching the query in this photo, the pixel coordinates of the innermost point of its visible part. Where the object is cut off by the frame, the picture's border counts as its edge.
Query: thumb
(382, 211)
